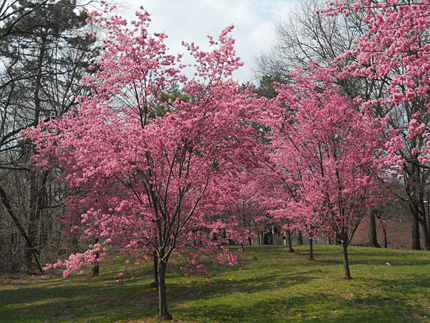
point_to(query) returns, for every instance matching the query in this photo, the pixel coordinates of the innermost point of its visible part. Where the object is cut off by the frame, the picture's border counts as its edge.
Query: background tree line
(44, 52)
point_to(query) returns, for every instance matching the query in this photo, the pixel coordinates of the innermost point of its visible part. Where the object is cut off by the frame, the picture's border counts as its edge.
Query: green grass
(276, 286)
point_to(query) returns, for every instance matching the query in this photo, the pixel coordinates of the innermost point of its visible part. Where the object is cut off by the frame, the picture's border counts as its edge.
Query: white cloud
(193, 20)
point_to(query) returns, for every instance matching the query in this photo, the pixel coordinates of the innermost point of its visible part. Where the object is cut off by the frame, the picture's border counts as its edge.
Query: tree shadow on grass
(80, 299)
(365, 256)
(317, 308)
(224, 286)
(246, 297)
(77, 303)
(239, 300)
(84, 299)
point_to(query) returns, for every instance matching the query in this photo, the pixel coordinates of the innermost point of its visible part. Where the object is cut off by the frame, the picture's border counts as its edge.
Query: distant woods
(45, 49)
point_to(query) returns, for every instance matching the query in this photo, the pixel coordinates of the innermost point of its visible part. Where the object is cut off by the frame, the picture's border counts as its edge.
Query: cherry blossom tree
(326, 153)
(395, 52)
(243, 205)
(143, 173)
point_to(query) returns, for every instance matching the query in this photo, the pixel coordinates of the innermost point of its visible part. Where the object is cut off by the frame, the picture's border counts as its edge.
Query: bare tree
(43, 55)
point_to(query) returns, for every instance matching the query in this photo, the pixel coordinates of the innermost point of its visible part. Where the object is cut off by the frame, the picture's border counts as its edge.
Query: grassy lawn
(272, 285)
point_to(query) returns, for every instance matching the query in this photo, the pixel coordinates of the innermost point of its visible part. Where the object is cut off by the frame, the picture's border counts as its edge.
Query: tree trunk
(415, 234)
(95, 271)
(311, 249)
(338, 239)
(34, 210)
(163, 314)
(155, 282)
(290, 247)
(329, 242)
(5, 200)
(299, 237)
(372, 239)
(427, 218)
(424, 234)
(346, 262)
(32, 220)
(385, 238)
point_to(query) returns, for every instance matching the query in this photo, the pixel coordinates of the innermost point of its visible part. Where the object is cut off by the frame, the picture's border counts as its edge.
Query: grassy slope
(275, 287)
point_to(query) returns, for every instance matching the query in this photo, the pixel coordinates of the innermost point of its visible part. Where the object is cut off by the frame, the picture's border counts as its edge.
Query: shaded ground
(17, 281)
(276, 286)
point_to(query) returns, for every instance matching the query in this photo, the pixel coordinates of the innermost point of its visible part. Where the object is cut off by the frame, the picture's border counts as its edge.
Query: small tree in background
(326, 152)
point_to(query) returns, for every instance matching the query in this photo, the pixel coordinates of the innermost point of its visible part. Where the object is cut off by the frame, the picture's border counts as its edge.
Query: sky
(193, 20)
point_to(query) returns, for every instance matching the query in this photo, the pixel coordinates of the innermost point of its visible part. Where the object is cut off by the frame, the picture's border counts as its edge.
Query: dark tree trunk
(268, 238)
(415, 234)
(338, 239)
(372, 238)
(155, 282)
(329, 241)
(424, 234)
(427, 218)
(311, 249)
(32, 220)
(34, 210)
(290, 247)
(163, 314)
(384, 231)
(5, 201)
(346, 262)
(95, 271)
(299, 237)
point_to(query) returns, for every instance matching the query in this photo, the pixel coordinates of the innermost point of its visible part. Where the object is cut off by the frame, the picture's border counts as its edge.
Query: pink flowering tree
(270, 196)
(242, 206)
(325, 150)
(285, 202)
(393, 56)
(142, 172)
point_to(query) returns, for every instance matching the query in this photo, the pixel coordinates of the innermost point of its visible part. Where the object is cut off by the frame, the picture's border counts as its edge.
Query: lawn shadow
(365, 256)
(289, 289)
(80, 299)
(224, 286)
(317, 308)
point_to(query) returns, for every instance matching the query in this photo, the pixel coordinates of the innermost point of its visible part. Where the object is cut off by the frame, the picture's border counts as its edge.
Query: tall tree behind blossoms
(142, 181)
(395, 51)
(325, 152)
